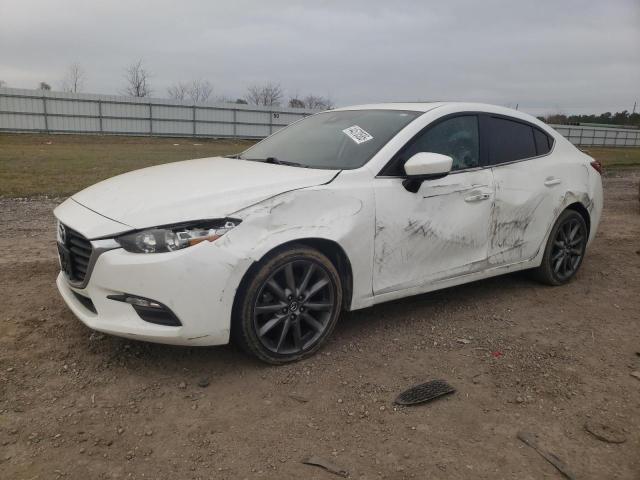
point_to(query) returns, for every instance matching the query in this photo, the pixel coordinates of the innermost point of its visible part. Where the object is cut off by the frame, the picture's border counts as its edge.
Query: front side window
(333, 140)
(510, 141)
(456, 137)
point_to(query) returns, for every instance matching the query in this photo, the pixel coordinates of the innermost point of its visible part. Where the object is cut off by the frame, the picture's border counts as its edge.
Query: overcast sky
(547, 56)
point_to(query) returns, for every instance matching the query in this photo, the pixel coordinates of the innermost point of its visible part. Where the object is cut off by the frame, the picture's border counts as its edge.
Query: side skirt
(446, 283)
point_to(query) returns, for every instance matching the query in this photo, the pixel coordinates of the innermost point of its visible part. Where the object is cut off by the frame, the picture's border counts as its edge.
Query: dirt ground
(522, 356)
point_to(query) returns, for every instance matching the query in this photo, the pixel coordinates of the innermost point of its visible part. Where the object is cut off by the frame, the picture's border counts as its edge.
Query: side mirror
(425, 166)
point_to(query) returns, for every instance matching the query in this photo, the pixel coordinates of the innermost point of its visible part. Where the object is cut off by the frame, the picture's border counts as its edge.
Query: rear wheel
(565, 249)
(289, 306)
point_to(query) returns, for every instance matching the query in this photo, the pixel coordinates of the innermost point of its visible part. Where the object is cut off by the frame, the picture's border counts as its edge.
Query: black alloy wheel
(293, 307)
(565, 249)
(290, 306)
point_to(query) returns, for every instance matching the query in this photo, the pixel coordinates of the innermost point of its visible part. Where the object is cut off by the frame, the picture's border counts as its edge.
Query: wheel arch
(329, 248)
(584, 213)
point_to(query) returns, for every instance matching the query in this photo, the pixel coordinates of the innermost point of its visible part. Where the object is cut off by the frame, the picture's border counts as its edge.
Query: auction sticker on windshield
(357, 134)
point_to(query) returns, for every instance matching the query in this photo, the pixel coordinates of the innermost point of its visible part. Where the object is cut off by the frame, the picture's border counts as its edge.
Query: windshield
(331, 140)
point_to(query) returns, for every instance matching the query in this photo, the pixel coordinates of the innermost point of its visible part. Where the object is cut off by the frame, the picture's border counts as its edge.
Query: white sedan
(339, 211)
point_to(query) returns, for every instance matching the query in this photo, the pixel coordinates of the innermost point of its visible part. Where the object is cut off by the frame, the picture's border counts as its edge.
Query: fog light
(149, 310)
(140, 302)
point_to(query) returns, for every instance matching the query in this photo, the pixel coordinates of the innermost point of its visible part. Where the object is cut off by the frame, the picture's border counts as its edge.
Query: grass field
(59, 165)
(615, 157)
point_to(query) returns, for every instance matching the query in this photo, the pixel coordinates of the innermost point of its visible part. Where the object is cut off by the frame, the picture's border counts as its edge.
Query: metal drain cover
(424, 392)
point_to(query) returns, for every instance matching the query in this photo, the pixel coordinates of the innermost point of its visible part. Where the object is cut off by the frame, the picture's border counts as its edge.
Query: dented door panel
(529, 196)
(441, 231)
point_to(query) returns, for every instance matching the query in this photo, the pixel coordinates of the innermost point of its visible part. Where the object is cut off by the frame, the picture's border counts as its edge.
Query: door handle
(477, 197)
(551, 181)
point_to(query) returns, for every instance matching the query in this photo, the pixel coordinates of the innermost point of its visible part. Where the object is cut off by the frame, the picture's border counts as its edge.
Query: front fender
(342, 214)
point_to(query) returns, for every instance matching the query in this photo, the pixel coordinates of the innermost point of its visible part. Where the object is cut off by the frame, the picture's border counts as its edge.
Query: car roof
(412, 106)
(426, 106)
(452, 107)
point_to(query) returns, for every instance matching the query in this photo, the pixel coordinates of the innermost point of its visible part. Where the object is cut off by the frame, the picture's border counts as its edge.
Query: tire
(564, 251)
(297, 291)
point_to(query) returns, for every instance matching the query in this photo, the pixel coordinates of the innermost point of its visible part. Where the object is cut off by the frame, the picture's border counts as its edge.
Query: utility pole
(635, 104)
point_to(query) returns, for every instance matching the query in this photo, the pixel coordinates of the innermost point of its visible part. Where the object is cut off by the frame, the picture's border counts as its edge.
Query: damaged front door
(442, 230)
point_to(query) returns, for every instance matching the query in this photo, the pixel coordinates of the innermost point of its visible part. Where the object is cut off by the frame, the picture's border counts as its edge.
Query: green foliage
(607, 118)
(61, 165)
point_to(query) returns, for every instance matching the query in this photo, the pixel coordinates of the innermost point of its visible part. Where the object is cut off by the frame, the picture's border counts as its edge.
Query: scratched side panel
(341, 211)
(529, 197)
(433, 234)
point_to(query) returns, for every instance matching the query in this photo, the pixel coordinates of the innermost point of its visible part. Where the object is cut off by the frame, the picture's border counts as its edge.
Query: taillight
(597, 166)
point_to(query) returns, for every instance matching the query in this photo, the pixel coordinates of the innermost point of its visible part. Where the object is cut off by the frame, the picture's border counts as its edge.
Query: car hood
(193, 190)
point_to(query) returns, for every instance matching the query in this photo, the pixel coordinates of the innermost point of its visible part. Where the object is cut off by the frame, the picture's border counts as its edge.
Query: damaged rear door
(529, 182)
(442, 230)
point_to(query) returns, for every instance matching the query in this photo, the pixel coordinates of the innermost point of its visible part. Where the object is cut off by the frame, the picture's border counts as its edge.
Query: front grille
(80, 253)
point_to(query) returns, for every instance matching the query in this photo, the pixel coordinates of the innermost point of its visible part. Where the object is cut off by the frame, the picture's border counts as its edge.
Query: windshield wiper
(277, 161)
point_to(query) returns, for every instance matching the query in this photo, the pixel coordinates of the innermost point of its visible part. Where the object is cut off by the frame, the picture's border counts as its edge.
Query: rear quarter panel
(581, 184)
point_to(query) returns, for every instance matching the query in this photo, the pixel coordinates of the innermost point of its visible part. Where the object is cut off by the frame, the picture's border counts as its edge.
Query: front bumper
(197, 284)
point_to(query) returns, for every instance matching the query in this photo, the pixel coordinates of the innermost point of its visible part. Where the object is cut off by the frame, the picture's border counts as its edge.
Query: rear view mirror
(425, 166)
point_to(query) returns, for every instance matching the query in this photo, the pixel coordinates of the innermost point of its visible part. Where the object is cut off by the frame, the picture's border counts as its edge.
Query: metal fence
(585, 136)
(42, 111)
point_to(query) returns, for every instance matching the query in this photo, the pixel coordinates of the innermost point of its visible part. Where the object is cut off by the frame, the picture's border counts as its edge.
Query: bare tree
(225, 99)
(295, 102)
(177, 91)
(199, 91)
(3, 83)
(137, 80)
(74, 79)
(253, 96)
(317, 102)
(268, 94)
(44, 86)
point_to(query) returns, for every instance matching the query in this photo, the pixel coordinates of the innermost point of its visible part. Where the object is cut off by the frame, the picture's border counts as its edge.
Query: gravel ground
(522, 356)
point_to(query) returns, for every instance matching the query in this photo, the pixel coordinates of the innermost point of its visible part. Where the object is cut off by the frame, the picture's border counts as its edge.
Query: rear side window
(543, 142)
(510, 141)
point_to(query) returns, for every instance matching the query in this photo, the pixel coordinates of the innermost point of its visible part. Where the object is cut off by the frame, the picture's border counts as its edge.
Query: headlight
(176, 237)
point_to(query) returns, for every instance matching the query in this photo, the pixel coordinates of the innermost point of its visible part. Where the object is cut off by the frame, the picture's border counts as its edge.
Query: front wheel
(565, 249)
(289, 306)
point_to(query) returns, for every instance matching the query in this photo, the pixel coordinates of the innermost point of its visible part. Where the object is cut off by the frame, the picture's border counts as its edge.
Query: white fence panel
(588, 136)
(172, 127)
(126, 126)
(212, 115)
(21, 122)
(61, 112)
(216, 130)
(58, 112)
(172, 113)
(17, 104)
(73, 124)
(125, 110)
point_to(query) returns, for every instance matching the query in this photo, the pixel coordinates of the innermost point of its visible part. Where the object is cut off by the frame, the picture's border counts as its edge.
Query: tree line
(137, 83)
(607, 118)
